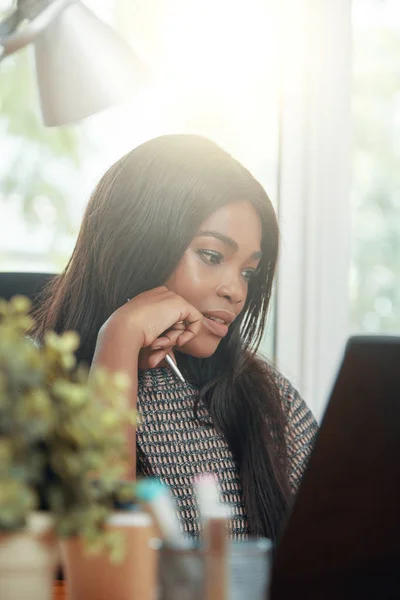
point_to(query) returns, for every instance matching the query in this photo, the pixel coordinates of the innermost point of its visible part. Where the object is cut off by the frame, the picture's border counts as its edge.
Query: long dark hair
(141, 217)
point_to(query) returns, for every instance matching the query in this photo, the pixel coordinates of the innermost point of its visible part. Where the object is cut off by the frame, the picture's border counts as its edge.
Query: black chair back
(25, 284)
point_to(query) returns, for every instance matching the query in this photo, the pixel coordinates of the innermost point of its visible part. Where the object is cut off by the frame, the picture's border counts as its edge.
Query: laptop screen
(342, 538)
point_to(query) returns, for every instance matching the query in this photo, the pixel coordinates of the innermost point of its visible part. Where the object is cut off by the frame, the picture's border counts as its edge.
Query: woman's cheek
(192, 279)
(201, 346)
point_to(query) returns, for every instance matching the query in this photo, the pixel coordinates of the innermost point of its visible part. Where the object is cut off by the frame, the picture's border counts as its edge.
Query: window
(215, 73)
(375, 250)
(339, 201)
(314, 189)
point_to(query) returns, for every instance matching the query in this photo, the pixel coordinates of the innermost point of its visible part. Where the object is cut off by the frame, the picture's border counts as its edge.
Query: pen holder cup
(96, 577)
(248, 569)
(181, 574)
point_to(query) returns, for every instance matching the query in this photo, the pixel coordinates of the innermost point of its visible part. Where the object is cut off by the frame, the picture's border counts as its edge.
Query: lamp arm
(35, 27)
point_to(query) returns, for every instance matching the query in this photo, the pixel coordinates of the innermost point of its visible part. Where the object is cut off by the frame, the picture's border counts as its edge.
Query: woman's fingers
(179, 326)
(193, 321)
(185, 337)
(155, 358)
(152, 359)
(180, 334)
(149, 359)
(167, 340)
(154, 315)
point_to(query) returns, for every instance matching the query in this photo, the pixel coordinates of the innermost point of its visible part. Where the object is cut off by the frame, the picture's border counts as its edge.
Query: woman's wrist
(117, 348)
(121, 333)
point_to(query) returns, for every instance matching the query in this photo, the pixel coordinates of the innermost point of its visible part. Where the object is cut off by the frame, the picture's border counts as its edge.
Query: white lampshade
(83, 67)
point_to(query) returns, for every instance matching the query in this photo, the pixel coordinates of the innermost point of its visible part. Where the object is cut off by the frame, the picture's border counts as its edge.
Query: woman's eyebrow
(227, 241)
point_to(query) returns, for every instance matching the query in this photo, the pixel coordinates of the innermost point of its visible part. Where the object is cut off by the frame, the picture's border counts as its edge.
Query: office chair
(25, 284)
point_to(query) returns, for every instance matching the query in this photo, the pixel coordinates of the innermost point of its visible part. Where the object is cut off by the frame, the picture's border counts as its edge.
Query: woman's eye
(210, 257)
(249, 274)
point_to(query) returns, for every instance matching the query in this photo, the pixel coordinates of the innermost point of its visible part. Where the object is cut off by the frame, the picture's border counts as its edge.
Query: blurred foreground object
(62, 454)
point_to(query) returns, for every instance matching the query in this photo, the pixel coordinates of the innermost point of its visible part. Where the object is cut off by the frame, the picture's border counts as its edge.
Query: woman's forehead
(239, 221)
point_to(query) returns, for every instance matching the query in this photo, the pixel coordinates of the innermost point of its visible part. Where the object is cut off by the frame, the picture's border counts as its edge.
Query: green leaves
(17, 500)
(60, 431)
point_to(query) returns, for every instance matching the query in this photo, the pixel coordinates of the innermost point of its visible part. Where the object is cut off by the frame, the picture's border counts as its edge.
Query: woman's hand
(140, 334)
(154, 322)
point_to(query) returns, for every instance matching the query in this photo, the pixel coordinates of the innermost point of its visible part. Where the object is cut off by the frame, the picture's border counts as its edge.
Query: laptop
(342, 538)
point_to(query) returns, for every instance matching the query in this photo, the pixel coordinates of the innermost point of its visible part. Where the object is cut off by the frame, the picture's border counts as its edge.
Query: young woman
(187, 233)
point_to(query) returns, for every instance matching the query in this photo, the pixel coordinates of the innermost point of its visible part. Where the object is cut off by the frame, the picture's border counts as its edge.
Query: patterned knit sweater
(174, 446)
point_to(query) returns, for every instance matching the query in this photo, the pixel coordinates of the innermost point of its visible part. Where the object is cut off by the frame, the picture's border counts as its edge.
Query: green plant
(62, 433)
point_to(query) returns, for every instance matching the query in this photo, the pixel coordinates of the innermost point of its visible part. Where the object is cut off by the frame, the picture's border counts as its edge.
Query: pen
(214, 515)
(158, 501)
(174, 367)
(172, 364)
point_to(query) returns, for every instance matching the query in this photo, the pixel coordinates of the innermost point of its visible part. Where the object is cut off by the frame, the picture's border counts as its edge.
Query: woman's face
(214, 273)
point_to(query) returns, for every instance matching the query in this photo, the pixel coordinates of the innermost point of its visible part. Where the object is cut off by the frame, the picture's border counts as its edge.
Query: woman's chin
(200, 348)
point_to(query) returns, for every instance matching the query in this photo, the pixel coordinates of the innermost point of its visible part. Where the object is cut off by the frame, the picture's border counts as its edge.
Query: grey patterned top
(174, 446)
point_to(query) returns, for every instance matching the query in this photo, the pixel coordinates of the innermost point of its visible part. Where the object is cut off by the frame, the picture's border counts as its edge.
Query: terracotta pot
(97, 578)
(28, 560)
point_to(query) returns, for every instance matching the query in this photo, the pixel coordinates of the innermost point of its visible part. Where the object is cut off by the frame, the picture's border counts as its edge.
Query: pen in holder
(215, 517)
(156, 499)
(181, 573)
(181, 570)
(216, 547)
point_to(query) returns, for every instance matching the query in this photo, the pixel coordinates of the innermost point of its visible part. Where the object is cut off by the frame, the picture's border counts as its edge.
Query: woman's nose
(232, 290)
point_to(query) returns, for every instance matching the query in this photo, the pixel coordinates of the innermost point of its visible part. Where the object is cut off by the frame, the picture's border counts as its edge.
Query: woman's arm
(118, 351)
(148, 326)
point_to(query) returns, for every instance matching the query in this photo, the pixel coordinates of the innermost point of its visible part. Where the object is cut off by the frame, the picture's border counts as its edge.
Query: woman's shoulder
(296, 409)
(287, 391)
(300, 429)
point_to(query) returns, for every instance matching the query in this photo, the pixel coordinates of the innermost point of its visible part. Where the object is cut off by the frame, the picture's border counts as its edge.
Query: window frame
(314, 194)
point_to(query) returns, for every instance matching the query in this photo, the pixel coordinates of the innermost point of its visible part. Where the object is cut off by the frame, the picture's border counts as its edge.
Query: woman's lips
(215, 325)
(216, 328)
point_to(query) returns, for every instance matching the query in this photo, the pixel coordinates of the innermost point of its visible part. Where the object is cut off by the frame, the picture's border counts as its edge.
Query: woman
(187, 233)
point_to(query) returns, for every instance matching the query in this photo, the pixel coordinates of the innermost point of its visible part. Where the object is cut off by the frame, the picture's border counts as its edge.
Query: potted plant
(62, 453)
